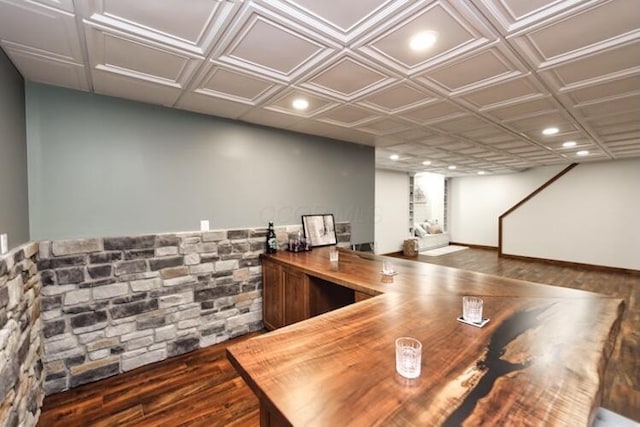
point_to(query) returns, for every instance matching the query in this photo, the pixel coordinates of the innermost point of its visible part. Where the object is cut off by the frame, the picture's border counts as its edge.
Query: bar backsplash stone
(21, 377)
(110, 305)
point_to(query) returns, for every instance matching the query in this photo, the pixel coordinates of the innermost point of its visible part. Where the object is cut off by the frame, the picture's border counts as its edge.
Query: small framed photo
(319, 229)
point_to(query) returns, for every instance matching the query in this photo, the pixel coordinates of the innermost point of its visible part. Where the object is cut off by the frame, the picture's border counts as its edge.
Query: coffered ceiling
(499, 73)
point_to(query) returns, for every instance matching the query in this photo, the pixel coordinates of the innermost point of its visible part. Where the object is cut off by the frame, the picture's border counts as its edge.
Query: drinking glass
(472, 309)
(388, 268)
(333, 254)
(408, 357)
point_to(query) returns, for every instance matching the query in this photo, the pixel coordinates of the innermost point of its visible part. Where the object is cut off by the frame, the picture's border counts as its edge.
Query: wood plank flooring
(202, 388)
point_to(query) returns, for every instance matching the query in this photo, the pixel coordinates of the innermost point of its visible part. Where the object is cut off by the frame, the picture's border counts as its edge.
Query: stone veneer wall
(21, 378)
(110, 305)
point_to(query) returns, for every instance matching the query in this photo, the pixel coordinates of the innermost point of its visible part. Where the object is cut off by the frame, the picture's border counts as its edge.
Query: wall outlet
(4, 243)
(204, 225)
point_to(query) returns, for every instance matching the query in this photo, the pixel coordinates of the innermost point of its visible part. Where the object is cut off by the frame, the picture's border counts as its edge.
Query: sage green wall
(102, 166)
(14, 208)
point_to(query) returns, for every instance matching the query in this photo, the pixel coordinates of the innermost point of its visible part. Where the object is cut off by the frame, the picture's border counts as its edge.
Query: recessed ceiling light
(426, 162)
(481, 172)
(300, 104)
(423, 40)
(452, 167)
(394, 157)
(583, 153)
(569, 144)
(550, 131)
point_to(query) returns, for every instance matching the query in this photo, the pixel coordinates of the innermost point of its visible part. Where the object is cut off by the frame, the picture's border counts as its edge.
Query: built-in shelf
(411, 181)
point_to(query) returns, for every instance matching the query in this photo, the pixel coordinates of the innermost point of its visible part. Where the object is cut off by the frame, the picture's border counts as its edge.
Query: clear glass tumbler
(334, 255)
(472, 309)
(408, 357)
(388, 268)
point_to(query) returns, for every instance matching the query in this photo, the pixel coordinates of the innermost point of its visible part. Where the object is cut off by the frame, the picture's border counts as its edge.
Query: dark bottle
(272, 243)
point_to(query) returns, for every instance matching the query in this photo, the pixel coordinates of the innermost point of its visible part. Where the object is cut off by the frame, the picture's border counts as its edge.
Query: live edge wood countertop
(539, 361)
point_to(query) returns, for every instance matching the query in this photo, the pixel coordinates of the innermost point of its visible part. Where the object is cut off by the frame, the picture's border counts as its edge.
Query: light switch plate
(4, 243)
(204, 225)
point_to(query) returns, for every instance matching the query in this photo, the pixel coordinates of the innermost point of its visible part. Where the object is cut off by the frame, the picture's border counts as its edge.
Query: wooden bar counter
(539, 361)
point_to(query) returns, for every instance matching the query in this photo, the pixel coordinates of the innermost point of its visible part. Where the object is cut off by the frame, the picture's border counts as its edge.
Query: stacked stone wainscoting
(21, 377)
(110, 305)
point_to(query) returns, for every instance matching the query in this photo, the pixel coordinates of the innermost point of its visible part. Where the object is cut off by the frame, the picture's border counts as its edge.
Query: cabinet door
(272, 295)
(296, 296)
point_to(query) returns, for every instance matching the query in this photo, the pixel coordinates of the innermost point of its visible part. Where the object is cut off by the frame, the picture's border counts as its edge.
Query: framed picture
(320, 229)
(419, 196)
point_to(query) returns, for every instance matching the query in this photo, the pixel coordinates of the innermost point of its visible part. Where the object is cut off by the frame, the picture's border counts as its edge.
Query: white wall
(476, 202)
(591, 215)
(391, 220)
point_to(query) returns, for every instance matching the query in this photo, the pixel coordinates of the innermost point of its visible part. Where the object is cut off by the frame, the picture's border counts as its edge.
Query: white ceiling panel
(631, 138)
(126, 86)
(348, 78)
(514, 90)
(66, 5)
(487, 66)
(434, 112)
(215, 106)
(343, 16)
(512, 15)
(40, 27)
(625, 149)
(190, 28)
(487, 134)
(606, 90)
(414, 134)
(340, 20)
(499, 72)
(595, 67)
(288, 52)
(315, 128)
(264, 42)
(397, 98)
(384, 126)
(533, 126)
(408, 149)
(458, 31)
(565, 38)
(624, 122)
(136, 59)
(460, 124)
(611, 106)
(43, 68)
(344, 134)
(522, 109)
(348, 116)
(438, 141)
(223, 82)
(284, 103)
(270, 118)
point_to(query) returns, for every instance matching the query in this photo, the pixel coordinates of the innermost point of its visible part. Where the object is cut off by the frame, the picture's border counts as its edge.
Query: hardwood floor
(203, 389)
(200, 388)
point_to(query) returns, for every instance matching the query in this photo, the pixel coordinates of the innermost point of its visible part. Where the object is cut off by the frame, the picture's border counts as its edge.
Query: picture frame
(419, 196)
(319, 229)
